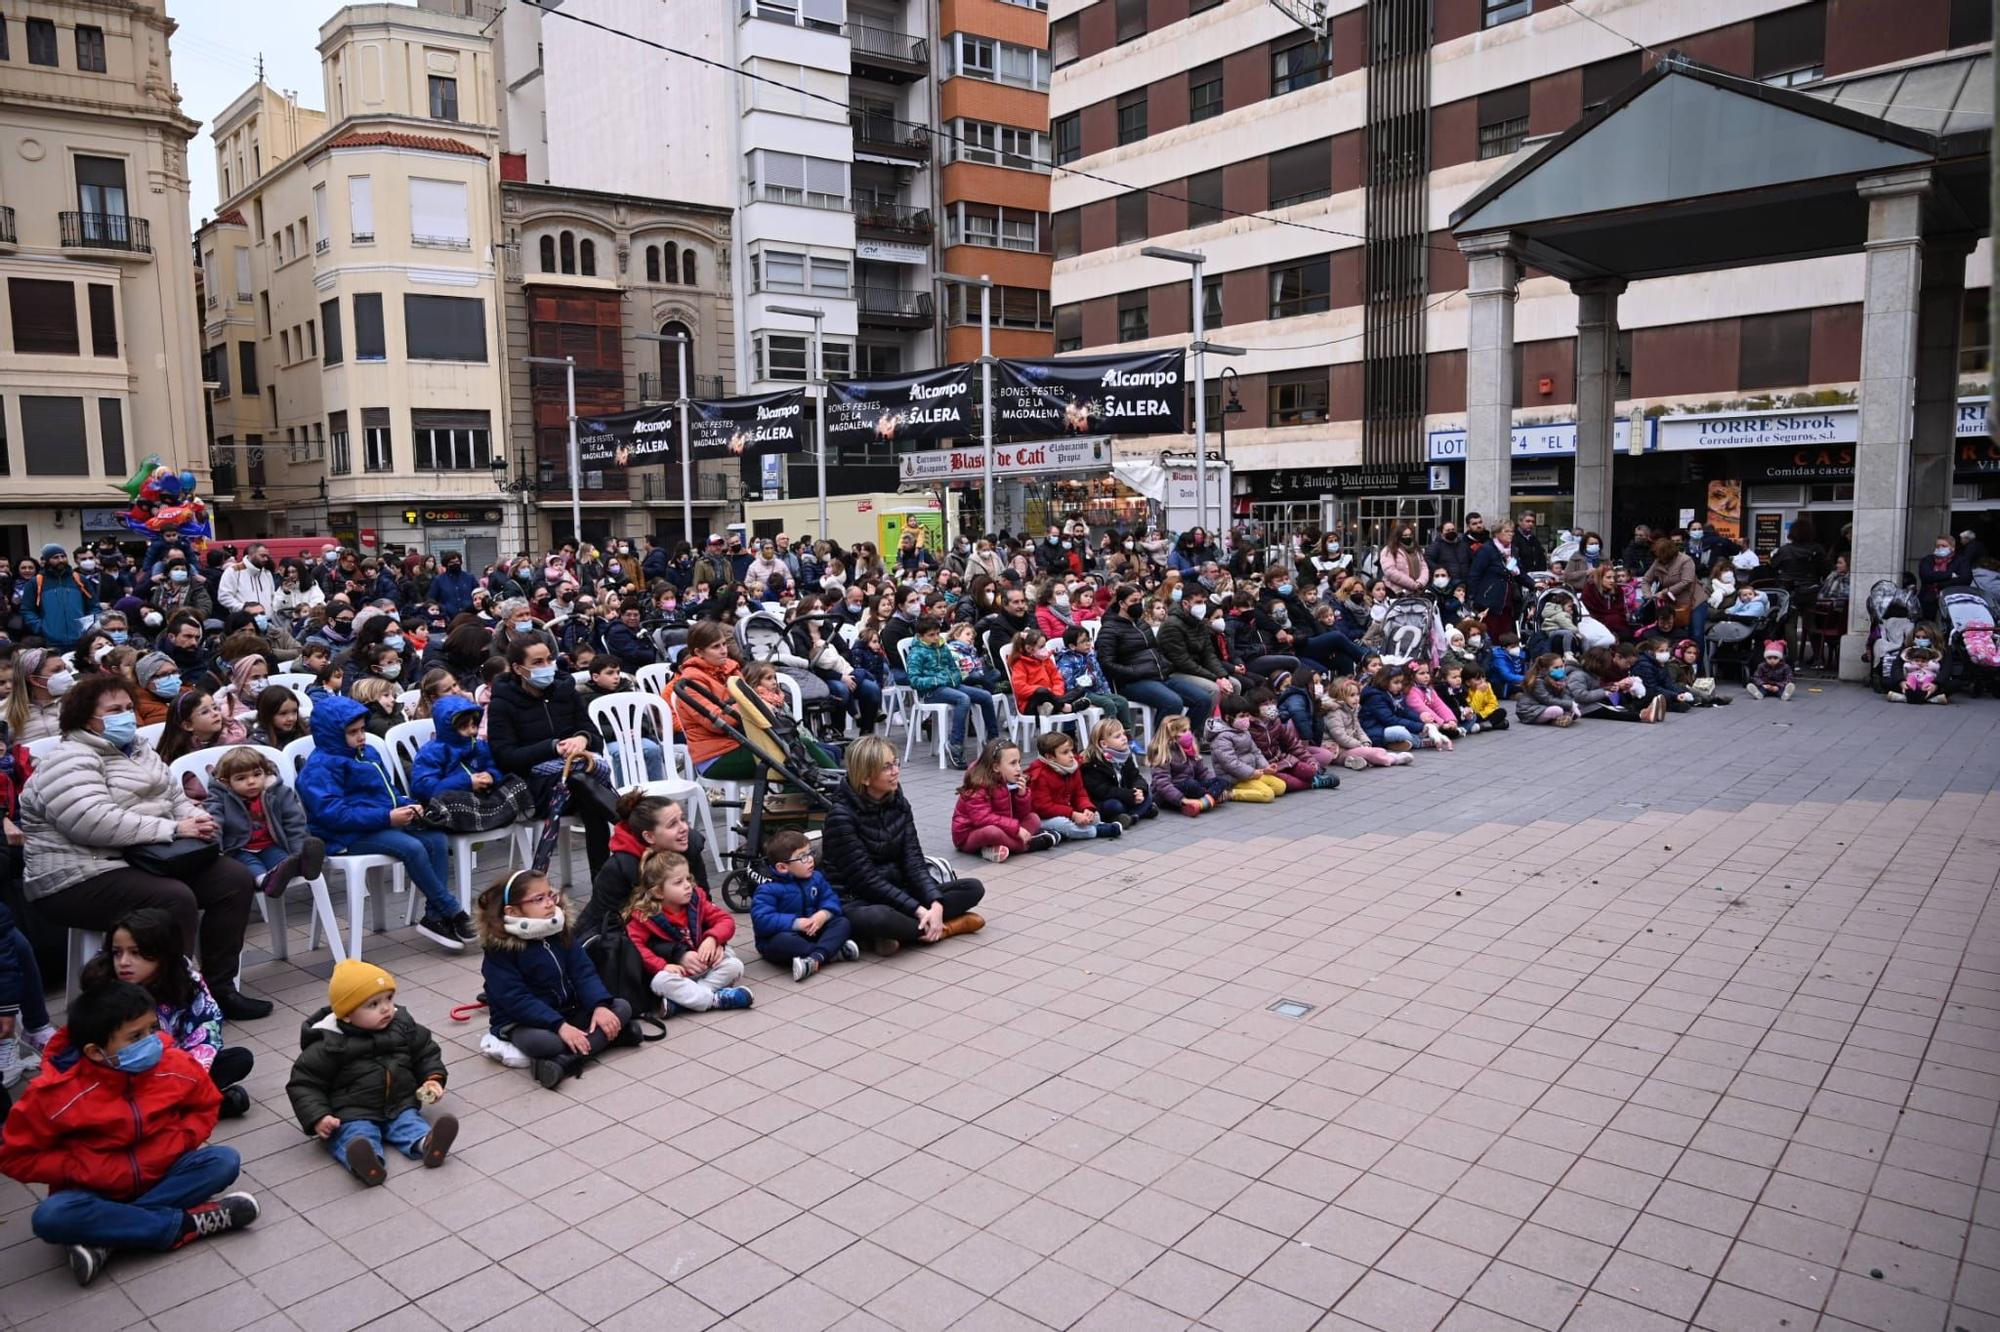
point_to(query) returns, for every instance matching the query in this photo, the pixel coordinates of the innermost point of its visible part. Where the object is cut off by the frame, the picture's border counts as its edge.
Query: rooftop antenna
(260, 67)
(1308, 14)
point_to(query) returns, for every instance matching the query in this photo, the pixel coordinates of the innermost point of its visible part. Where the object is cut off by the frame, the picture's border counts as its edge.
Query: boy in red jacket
(1055, 784)
(118, 1138)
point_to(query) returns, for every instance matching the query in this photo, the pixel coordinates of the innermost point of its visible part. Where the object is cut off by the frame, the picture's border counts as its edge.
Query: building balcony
(892, 307)
(900, 221)
(7, 227)
(654, 386)
(608, 483)
(112, 232)
(709, 487)
(889, 138)
(886, 55)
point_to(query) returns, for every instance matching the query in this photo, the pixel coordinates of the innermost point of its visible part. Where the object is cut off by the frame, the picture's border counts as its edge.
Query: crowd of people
(1155, 676)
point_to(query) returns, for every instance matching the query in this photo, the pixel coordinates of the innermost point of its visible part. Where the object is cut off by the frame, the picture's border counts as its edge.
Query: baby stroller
(805, 790)
(1892, 613)
(1537, 640)
(1411, 632)
(1971, 656)
(763, 635)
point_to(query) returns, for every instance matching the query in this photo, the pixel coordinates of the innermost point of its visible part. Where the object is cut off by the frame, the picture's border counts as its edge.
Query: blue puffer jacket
(1503, 670)
(540, 983)
(449, 760)
(55, 608)
(1380, 710)
(345, 793)
(779, 902)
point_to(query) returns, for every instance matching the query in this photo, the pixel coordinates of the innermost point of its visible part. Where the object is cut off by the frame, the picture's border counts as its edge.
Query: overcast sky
(215, 60)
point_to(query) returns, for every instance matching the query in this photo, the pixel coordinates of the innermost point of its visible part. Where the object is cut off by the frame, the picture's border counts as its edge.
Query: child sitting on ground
(797, 916)
(1481, 702)
(1279, 740)
(454, 775)
(1544, 701)
(1773, 676)
(683, 938)
(1427, 703)
(963, 640)
(263, 824)
(1111, 775)
(364, 1067)
(1685, 670)
(1449, 686)
(1921, 666)
(995, 815)
(1082, 674)
(118, 1137)
(1388, 719)
(144, 949)
(1504, 664)
(1182, 778)
(1238, 760)
(543, 994)
(1055, 785)
(1341, 723)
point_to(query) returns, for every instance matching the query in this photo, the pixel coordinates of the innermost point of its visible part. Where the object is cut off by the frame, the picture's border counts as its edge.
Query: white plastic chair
(623, 719)
(655, 678)
(201, 764)
(37, 748)
(152, 732)
(938, 714)
(407, 699)
(353, 870)
(296, 681)
(795, 699)
(1024, 727)
(79, 947)
(405, 739)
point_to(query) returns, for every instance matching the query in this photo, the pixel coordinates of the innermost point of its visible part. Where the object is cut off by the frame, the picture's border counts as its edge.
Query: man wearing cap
(713, 566)
(58, 603)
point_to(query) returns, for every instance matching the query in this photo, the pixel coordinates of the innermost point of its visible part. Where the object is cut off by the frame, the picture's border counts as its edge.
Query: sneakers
(1403, 760)
(1045, 709)
(441, 932)
(1752, 690)
(235, 1103)
(550, 1072)
(232, 1211)
(86, 1261)
(462, 926)
(996, 854)
(306, 865)
(238, 1006)
(969, 923)
(1397, 746)
(1109, 829)
(41, 1036)
(956, 757)
(734, 997)
(1192, 808)
(1326, 781)
(803, 967)
(1788, 691)
(364, 1164)
(850, 951)
(1940, 698)
(1042, 841)
(1354, 763)
(1126, 821)
(505, 1051)
(437, 1143)
(1895, 696)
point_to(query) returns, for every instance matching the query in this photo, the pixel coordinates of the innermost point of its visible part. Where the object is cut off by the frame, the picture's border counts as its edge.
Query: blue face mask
(541, 677)
(393, 641)
(524, 626)
(140, 1056)
(122, 728)
(166, 686)
(263, 621)
(1558, 673)
(178, 575)
(1285, 589)
(119, 636)
(1176, 594)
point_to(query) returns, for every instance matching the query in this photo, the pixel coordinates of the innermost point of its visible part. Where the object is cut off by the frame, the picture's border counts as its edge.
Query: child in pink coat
(995, 815)
(1424, 700)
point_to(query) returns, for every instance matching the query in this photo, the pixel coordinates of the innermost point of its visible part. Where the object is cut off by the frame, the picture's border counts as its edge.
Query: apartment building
(368, 353)
(1317, 175)
(99, 360)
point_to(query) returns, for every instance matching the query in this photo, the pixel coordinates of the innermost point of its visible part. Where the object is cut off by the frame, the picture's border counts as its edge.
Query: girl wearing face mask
(1544, 699)
(1037, 681)
(1403, 566)
(1053, 609)
(550, 1010)
(1182, 778)
(1654, 669)
(40, 681)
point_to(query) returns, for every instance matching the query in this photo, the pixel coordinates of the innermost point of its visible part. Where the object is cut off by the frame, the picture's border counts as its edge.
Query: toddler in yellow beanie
(364, 1068)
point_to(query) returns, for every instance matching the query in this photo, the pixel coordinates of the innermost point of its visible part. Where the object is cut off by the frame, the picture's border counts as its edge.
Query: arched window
(687, 266)
(673, 261)
(568, 252)
(548, 254)
(670, 358)
(652, 263)
(587, 258)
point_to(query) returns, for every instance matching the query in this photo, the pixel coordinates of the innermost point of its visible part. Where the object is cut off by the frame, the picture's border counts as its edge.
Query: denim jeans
(1332, 647)
(1155, 694)
(34, 1003)
(864, 701)
(405, 1133)
(150, 1221)
(424, 852)
(1398, 735)
(785, 945)
(1069, 829)
(961, 699)
(654, 757)
(261, 862)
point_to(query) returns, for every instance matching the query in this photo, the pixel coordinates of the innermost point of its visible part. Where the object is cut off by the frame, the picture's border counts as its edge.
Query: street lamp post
(680, 341)
(568, 363)
(985, 285)
(1194, 259)
(818, 316)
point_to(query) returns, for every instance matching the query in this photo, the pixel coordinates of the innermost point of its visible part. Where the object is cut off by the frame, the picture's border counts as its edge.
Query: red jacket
(1031, 673)
(663, 938)
(1057, 796)
(993, 806)
(116, 1134)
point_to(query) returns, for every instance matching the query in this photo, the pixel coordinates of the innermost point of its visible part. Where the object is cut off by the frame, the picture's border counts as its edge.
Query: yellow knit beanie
(354, 983)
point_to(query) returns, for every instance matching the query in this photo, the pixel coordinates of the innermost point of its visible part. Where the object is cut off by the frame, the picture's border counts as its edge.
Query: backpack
(624, 975)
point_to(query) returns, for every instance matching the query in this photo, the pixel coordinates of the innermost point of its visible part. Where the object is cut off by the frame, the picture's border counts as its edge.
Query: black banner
(1141, 393)
(923, 408)
(717, 428)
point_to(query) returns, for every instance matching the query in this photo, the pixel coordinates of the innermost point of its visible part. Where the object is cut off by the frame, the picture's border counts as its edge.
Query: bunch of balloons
(163, 500)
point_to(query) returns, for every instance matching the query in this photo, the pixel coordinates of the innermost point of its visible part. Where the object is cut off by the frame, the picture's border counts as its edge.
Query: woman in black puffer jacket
(872, 855)
(534, 717)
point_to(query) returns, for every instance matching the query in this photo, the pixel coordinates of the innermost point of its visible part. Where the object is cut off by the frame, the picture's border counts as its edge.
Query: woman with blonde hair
(872, 852)
(41, 678)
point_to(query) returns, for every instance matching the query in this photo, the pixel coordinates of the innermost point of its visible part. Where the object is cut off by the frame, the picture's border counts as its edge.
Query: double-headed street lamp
(985, 286)
(1195, 260)
(681, 404)
(818, 317)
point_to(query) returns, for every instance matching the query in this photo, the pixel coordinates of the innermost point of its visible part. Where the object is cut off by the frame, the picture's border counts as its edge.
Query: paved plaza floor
(1624, 1027)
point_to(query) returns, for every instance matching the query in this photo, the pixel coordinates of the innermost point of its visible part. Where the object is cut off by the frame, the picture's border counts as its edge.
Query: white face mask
(1268, 711)
(1477, 640)
(1943, 552)
(534, 927)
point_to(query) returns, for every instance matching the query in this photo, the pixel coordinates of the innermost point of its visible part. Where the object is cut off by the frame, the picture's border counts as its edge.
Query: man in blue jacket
(453, 589)
(58, 604)
(654, 564)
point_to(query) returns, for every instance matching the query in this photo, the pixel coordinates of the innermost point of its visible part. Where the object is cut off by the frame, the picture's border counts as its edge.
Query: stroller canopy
(1888, 601)
(1410, 632)
(1965, 608)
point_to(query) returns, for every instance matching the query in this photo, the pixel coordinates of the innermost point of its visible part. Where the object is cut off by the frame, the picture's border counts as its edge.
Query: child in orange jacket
(1055, 784)
(1038, 683)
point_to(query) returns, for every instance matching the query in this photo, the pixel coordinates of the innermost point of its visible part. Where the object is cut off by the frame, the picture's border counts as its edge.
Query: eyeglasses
(538, 899)
(802, 858)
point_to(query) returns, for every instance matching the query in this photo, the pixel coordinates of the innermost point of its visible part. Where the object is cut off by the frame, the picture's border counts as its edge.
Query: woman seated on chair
(645, 823)
(102, 791)
(195, 721)
(873, 856)
(40, 677)
(537, 726)
(247, 679)
(709, 664)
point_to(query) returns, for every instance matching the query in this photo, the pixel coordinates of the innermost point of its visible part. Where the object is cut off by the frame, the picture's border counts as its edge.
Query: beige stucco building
(99, 364)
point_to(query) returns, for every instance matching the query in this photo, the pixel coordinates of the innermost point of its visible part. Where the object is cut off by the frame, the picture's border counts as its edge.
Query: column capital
(1915, 181)
(1599, 286)
(1481, 244)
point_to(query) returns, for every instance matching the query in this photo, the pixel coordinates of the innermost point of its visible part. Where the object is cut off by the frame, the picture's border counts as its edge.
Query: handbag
(182, 858)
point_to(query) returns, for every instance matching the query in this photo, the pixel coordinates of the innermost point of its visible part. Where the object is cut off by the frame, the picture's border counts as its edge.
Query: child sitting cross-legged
(683, 938)
(1341, 718)
(1112, 777)
(797, 916)
(995, 814)
(1182, 778)
(1055, 785)
(542, 991)
(1773, 676)
(119, 1139)
(1237, 758)
(1481, 701)
(1544, 699)
(364, 1068)
(1278, 740)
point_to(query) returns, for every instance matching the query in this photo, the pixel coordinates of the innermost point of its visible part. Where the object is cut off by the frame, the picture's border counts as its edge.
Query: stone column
(1934, 434)
(1882, 460)
(1491, 371)
(1596, 400)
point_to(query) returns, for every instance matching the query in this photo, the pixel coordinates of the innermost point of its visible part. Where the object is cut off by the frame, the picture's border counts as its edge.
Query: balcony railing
(106, 231)
(709, 487)
(885, 136)
(884, 53)
(604, 482)
(797, 196)
(653, 386)
(6, 225)
(893, 305)
(902, 219)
